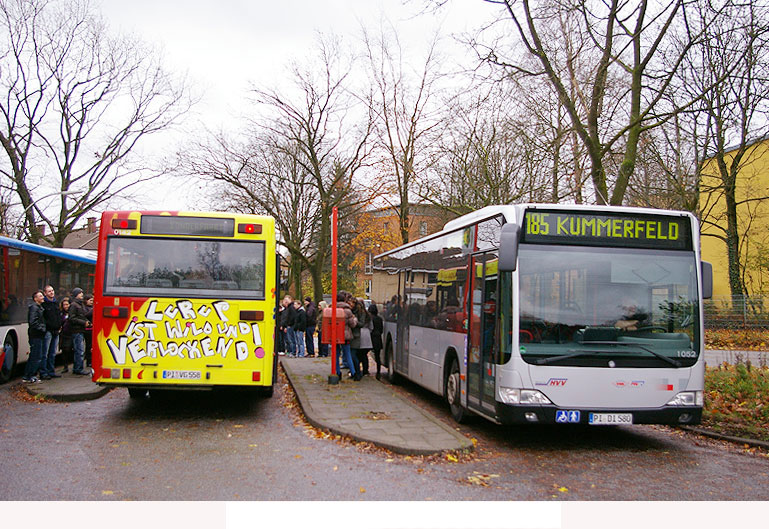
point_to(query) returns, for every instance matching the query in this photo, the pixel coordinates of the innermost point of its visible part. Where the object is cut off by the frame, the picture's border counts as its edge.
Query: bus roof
(71, 254)
(509, 211)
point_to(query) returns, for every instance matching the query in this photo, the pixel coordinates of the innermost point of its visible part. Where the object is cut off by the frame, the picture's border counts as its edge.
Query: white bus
(24, 268)
(552, 314)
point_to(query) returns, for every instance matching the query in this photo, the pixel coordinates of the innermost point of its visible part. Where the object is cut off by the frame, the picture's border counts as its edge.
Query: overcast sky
(225, 45)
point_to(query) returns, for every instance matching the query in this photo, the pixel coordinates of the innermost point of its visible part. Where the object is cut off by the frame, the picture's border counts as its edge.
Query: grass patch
(737, 400)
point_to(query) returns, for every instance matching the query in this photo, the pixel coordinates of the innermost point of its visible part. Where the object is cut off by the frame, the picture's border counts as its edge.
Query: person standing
(361, 342)
(52, 327)
(350, 322)
(36, 334)
(65, 336)
(77, 324)
(312, 320)
(300, 325)
(377, 329)
(322, 347)
(88, 334)
(287, 325)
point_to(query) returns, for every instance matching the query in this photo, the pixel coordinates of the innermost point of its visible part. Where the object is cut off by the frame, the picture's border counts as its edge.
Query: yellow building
(752, 198)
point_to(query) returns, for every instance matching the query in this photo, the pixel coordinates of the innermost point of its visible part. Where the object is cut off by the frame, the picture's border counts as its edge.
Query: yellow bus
(185, 300)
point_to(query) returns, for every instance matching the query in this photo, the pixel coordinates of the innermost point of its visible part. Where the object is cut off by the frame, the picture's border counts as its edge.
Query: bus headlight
(522, 396)
(687, 398)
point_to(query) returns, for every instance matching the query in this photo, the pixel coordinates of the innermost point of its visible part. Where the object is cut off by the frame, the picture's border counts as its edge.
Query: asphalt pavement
(366, 410)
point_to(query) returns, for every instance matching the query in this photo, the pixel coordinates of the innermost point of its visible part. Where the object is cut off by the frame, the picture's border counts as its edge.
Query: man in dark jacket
(77, 324)
(36, 334)
(53, 322)
(312, 321)
(287, 318)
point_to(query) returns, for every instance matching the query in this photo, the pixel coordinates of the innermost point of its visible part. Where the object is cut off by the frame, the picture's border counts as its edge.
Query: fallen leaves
(480, 479)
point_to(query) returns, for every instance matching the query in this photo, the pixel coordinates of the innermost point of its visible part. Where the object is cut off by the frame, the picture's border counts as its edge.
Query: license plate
(610, 418)
(182, 375)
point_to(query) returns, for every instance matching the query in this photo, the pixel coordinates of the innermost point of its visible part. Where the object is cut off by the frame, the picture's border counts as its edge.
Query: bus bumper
(673, 415)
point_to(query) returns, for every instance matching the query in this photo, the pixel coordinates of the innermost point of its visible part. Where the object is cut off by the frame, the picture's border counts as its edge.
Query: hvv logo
(564, 416)
(554, 382)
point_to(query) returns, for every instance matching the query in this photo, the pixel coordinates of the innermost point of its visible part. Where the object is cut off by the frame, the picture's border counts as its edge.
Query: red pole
(333, 292)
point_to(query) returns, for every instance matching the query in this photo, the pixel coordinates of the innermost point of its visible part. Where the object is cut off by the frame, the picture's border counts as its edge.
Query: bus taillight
(123, 224)
(250, 229)
(115, 312)
(126, 373)
(256, 376)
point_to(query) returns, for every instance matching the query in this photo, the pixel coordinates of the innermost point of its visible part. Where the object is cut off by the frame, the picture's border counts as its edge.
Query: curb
(723, 437)
(398, 449)
(68, 397)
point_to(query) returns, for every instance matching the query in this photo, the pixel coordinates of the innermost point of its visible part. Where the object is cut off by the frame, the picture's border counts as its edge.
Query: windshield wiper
(667, 359)
(579, 352)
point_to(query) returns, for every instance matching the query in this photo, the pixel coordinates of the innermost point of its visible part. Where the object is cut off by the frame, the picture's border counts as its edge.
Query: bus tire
(454, 391)
(137, 393)
(9, 362)
(392, 376)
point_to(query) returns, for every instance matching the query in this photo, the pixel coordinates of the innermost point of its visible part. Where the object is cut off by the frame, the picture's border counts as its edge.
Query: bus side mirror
(707, 279)
(508, 248)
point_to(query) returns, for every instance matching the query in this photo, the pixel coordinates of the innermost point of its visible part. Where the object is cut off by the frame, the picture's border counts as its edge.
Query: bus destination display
(193, 226)
(600, 229)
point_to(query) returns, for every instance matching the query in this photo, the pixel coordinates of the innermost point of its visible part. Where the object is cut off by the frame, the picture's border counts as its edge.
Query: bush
(736, 400)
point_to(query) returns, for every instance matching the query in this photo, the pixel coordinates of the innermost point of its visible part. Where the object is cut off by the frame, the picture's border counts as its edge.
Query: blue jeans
(50, 346)
(35, 357)
(290, 342)
(344, 349)
(309, 341)
(299, 339)
(78, 344)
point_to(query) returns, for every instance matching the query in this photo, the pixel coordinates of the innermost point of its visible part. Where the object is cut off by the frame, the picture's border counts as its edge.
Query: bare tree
(76, 103)
(301, 160)
(407, 115)
(729, 129)
(609, 63)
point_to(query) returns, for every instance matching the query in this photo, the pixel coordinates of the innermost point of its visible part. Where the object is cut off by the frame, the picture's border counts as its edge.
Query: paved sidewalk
(368, 410)
(68, 388)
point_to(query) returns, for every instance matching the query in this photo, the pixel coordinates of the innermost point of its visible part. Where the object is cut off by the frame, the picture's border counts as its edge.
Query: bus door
(481, 366)
(402, 347)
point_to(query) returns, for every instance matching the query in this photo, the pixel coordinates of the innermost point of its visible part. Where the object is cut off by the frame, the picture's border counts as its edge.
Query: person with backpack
(78, 321)
(65, 336)
(350, 322)
(287, 318)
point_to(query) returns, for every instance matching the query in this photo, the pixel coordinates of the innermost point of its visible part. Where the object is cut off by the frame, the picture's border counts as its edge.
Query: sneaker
(81, 372)
(45, 377)
(33, 380)
(281, 353)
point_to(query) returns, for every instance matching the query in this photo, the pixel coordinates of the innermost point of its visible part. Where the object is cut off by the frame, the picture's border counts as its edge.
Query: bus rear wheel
(137, 393)
(453, 393)
(9, 361)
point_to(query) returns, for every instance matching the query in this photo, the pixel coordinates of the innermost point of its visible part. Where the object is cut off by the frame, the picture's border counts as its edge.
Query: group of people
(59, 325)
(362, 333)
(296, 322)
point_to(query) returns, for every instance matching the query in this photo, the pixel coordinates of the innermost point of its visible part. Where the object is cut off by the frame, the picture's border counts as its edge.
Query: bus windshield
(178, 268)
(616, 307)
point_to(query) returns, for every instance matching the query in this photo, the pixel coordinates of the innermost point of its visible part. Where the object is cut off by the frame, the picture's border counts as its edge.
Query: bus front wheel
(453, 393)
(392, 376)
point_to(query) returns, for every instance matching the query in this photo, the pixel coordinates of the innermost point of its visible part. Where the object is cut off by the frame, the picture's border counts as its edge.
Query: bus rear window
(155, 267)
